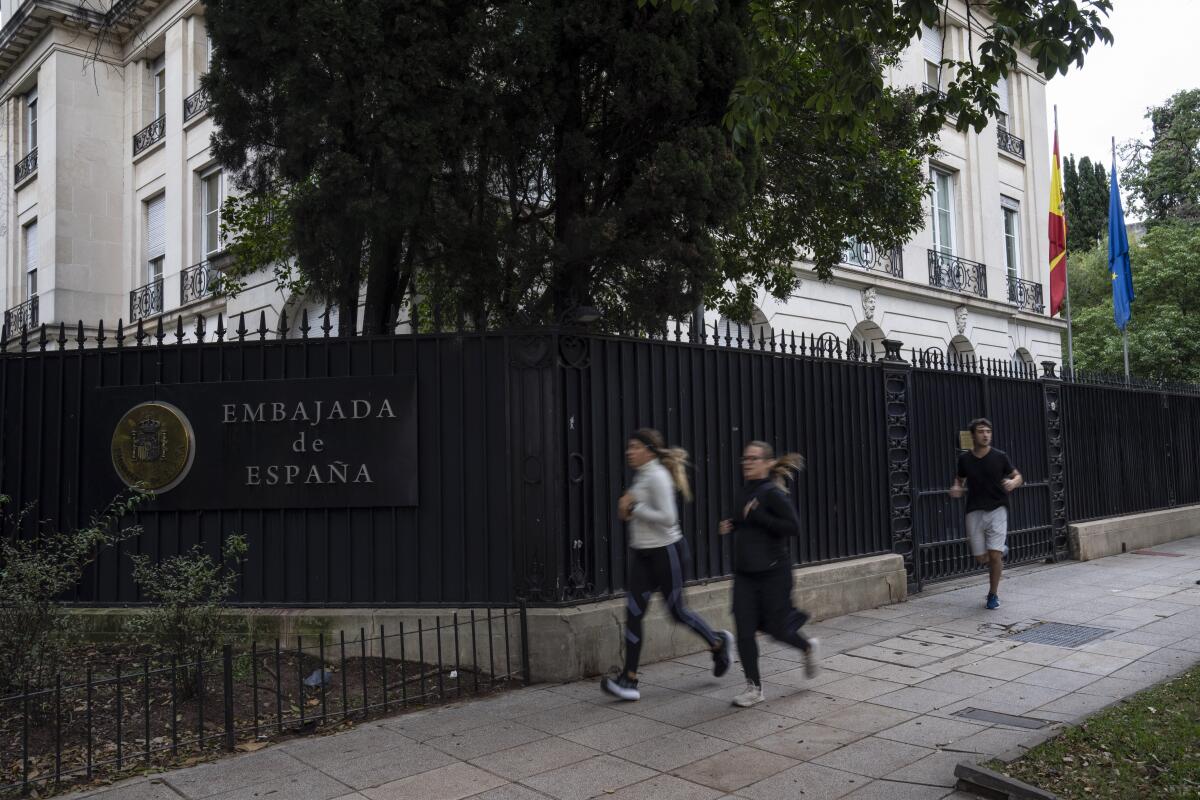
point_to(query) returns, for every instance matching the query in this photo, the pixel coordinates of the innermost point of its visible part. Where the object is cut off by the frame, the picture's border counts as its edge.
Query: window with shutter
(210, 191)
(1002, 119)
(156, 237)
(31, 259)
(931, 47)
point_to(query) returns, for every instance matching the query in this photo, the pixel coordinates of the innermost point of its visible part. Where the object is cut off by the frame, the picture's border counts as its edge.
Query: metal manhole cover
(996, 718)
(1060, 634)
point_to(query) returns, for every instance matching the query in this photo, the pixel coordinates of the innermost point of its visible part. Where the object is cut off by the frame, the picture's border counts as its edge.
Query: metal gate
(943, 401)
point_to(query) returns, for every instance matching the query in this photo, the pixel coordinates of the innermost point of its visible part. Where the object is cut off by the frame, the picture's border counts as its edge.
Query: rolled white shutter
(1002, 93)
(156, 227)
(31, 260)
(931, 44)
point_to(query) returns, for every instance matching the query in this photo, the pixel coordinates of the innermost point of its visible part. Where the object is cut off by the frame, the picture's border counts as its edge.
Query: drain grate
(1060, 634)
(996, 718)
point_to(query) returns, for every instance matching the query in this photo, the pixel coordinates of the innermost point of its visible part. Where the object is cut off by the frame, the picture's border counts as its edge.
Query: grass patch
(1144, 747)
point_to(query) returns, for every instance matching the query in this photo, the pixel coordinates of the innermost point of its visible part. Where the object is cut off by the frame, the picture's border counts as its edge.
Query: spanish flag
(1058, 236)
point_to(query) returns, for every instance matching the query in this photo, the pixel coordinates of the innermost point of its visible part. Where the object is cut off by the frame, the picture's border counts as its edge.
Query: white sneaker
(810, 658)
(752, 696)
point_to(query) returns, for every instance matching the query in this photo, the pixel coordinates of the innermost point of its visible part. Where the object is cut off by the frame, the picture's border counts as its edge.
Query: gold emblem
(153, 446)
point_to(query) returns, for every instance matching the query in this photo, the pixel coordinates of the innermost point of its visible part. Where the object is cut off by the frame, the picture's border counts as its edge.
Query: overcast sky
(1155, 53)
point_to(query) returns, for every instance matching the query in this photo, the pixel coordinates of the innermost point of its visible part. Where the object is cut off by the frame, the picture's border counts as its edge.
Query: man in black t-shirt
(989, 478)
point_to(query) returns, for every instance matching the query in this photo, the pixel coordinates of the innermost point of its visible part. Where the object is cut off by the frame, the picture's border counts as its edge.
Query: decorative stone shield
(153, 446)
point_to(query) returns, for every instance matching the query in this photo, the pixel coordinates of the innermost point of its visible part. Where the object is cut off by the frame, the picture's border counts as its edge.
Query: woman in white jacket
(657, 553)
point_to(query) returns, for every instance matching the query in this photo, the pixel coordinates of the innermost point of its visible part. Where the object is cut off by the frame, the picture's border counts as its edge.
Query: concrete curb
(986, 783)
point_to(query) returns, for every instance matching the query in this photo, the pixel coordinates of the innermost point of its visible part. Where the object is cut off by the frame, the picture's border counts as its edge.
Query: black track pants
(762, 601)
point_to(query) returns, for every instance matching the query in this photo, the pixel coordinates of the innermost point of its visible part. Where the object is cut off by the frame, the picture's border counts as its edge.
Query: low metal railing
(26, 166)
(1027, 295)
(868, 257)
(23, 316)
(194, 283)
(1013, 145)
(195, 104)
(146, 301)
(149, 135)
(958, 274)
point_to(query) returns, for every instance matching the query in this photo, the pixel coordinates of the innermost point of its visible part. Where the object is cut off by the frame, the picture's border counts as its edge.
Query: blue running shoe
(993, 602)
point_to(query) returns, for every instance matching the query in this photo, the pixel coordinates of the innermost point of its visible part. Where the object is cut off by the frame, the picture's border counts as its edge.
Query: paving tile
(666, 672)
(994, 741)
(936, 732)
(890, 627)
(481, 741)
(618, 733)
(806, 741)
(805, 705)
(522, 702)
(1014, 698)
(324, 751)
(945, 637)
(866, 718)
(934, 770)
(139, 789)
(999, 668)
(510, 791)
(1173, 656)
(308, 785)
(1190, 645)
(797, 678)
(531, 758)
(914, 698)
(665, 787)
(898, 674)
(873, 756)
(808, 781)
(425, 725)
(844, 663)
(673, 750)
(850, 622)
(570, 717)
(892, 656)
(745, 725)
(921, 647)
(960, 684)
(384, 766)
(1092, 663)
(599, 775)
(447, 783)
(1077, 705)
(859, 687)
(733, 769)
(207, 780)
(1058, 679)
(894, 790)
(688, 710)
(1114, 687)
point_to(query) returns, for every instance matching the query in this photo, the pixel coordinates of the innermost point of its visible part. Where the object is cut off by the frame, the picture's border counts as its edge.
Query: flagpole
(1125, 327)
(1067, 278)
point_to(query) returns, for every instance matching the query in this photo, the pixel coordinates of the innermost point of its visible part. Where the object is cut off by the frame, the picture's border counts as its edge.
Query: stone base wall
(1108, 537)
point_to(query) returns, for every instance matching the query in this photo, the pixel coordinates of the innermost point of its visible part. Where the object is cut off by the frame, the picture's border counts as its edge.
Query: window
(159, 68)
(29, 234)
(1002, 118)
(931, 49)
(156, 237)
(31, 121)
(1012, 233)
(210, 222)
(943, 212)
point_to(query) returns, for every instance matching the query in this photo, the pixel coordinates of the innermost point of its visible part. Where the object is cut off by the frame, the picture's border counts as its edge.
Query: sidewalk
(879, 722)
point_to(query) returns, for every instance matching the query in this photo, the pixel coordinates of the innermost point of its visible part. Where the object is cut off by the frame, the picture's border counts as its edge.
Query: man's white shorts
(987, 530)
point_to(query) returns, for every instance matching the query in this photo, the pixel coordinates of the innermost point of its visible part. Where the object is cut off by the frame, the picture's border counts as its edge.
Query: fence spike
(262, 325)
(159, 334)
(62, 335)
(678, 331)
(283, 325)
(179, 330)
(241, 328)
(220, 326)
(304, 323)
(325, 326)
(199, 328)
(42, 337)
(140, 336)
(4, 336)
(120, 337)
(100, 334)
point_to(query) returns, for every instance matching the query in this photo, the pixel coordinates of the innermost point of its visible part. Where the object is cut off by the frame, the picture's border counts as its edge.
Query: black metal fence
(150, 711)
(519, 452)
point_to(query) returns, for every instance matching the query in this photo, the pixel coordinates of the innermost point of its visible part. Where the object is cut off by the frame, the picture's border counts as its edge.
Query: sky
(1155, 53)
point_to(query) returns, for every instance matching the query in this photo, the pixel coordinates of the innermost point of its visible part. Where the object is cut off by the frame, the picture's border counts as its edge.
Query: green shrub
(35, 573)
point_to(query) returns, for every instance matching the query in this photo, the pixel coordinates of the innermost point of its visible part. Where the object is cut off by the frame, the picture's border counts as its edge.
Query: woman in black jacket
(762, 566)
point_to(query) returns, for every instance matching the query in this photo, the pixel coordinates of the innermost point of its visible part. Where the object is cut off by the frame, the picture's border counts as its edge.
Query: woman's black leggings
(657, 569)
(762, 601)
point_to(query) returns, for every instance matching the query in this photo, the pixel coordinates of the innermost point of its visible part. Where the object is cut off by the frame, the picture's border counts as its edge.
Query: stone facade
(112, 138)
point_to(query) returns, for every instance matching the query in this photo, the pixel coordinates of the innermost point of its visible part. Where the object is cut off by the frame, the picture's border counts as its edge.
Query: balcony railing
(958, 274)
(22, 317)
(195, 104)
(194, 283)
(930, 88)
(152, 133)
(146, 301)
(25, 167)
(1027, 295)
(868, 257)
(1010, 144)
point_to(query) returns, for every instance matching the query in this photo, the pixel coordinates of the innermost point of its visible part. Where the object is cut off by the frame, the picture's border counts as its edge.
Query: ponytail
(786, 467)
(673, 458)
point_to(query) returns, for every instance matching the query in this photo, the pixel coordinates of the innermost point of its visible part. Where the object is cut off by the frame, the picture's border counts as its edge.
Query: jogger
(762, 577)
(657, 554)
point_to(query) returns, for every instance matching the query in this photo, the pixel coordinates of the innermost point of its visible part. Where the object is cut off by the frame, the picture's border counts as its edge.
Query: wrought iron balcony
(22, 317)
(1010, 144)
(25, 167)
(146, 301)
(1027, 295)
(195, 104)
(930, 88)
(194, 283)
(868, 257)
(959, 274)
(151, 134)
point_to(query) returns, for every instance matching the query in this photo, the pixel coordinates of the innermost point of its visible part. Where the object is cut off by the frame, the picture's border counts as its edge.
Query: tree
(522, 157)
(1085, 197)
(1164, 331)
(1162, 176)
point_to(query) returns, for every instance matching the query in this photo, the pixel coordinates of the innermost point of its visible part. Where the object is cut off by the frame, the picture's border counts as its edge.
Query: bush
(191, 591)
(34, 573)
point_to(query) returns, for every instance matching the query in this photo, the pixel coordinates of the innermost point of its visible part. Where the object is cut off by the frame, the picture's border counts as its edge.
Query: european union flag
(1118, 253)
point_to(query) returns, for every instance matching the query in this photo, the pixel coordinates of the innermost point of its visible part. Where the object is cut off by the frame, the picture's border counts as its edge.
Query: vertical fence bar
(507, 654)
(227, 668)
(120, 751)
(421, 657)
(200, 702)
(437, 623)
(254, 680)
(525, 673)
(300, 676)
(362, 660)
(491, 652)
(403, 672)
(88, 714)
(321, 676)
(383, 664)
(278, 689)
(57, 728)
(345, 678)
(25, 734)
(474, 652)
(146, 709)
(457, 660)
(174, 707)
